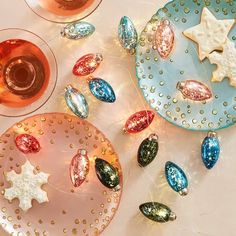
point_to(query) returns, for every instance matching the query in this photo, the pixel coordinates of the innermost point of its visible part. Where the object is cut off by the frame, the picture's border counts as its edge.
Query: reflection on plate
(158, 77)
(86, 210)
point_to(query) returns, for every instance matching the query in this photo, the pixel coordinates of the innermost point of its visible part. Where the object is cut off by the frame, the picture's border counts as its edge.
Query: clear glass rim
(61, 19)
(56, 74)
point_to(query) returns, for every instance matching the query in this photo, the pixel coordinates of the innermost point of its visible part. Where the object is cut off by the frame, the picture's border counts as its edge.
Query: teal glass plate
(158, 77)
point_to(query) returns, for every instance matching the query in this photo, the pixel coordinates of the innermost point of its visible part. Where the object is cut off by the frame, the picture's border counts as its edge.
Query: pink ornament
(139, 121)
(79, 168)
(194, 90)
(27, 143)
(164, 39)
(87, 64)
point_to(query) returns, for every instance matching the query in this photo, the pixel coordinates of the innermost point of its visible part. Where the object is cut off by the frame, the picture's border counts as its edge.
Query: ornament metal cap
(68, 87)
(180, 86)
(83, 152)
(184, 192)
(153, 136)
(172, 216)
(125, 131)
(117, 188)
(99, 57)
(212, 134)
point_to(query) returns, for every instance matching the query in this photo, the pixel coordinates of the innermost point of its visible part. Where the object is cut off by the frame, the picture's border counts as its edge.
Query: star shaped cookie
(226, 63)
(211, 34)
(26, 186)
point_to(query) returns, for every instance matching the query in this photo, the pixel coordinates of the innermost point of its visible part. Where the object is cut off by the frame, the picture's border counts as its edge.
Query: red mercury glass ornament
(79, 168)
(87, 64)
(194, 90)
(27, 143)
(164, 39)
(139, 121)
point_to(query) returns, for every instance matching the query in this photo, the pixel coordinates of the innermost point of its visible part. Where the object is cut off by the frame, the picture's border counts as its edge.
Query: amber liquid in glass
(24, 73)
(65, 7)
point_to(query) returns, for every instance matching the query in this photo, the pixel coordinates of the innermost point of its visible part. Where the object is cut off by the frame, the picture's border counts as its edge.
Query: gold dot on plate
(41, 132)
(52, 222)
(64, 230)
(15, 226)
(17, 211)
(4, 209)
(18, 125)
(77, 221)
(54, 131)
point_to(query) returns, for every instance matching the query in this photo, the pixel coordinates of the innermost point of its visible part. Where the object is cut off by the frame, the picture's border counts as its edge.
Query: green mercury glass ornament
(107, 174)
(148, 150)
(157, 212)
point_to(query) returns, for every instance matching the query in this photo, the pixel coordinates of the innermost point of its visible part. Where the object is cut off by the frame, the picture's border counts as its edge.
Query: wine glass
(63, 11)
(28, 72)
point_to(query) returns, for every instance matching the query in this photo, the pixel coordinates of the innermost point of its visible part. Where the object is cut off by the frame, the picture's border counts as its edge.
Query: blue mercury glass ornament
(77, 30)
(127, 34)
(176, 178)
(210, 150)
(102, 90)
(76, 102)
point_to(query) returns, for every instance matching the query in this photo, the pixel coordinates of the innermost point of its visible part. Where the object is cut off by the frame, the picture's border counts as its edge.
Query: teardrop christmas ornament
(157, 212)
(127, 34)
(87, 64)
(102, 90)
(27, 143)
(77, 30)
(79, 168)
(164, 39)
(210, 150)
(107, 174)
(194, 90)
(76, 102)
(148, 150)
(139, 121)
(176, 178)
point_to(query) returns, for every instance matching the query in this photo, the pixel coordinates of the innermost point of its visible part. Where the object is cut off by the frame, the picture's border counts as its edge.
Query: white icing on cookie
(211, 34)
(226, 63)
(26, 186)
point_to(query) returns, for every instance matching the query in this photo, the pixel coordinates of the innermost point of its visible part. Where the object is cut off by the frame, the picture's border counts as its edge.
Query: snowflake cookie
(26, 186)
(211, 34)
(226, 64)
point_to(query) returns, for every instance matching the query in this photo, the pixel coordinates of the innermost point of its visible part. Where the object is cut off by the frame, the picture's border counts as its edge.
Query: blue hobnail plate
(158, 77)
